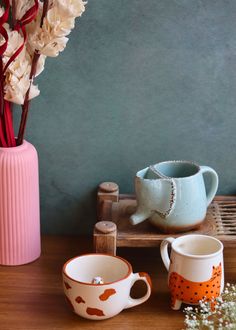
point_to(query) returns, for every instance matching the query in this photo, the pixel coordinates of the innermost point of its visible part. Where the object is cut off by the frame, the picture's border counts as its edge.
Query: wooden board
(220, 222)
(31, 296)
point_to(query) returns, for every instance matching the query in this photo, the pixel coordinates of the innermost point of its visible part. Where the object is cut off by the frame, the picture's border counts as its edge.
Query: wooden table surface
(31, 296)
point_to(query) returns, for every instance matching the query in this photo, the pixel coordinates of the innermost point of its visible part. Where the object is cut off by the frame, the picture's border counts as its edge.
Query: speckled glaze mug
(172, 195)
(195, 268)
(101, 301)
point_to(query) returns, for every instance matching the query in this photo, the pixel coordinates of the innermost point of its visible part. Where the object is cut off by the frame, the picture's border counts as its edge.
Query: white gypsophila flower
(22, 6)
(217, 314)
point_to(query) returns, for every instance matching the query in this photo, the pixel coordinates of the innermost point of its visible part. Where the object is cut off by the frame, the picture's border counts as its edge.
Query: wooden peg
(105, 233)
(108, 187)
(108, 192)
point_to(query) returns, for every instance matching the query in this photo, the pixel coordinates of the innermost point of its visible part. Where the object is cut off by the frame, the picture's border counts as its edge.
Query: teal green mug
(173, 196)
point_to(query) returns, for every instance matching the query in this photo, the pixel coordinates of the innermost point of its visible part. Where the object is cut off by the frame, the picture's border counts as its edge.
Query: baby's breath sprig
(221, 317)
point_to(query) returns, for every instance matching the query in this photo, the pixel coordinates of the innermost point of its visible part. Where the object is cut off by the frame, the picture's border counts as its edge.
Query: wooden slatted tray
(115, 209)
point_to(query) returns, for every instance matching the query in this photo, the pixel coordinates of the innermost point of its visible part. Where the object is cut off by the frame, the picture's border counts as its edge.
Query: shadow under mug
(101, 301)
(195, 267)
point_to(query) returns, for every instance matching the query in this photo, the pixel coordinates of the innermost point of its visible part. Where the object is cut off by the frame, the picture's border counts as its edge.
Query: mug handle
(140, 277)
(214, 182)
(164, 251)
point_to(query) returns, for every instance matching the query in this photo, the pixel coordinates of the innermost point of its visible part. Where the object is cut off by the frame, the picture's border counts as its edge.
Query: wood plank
(31, 296)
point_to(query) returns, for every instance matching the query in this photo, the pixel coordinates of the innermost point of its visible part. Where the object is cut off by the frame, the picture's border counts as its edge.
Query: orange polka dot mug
(97, 286)
(196, 268)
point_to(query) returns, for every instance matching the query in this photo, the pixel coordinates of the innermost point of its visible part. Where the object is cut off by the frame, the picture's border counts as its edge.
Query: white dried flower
(1, 11)
(15, 89)
(58, 24)
(22, 6)
(17, 75)
(73, 8)
(50, 39)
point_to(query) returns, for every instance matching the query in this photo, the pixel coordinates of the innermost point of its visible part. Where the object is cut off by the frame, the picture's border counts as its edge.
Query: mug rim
(163, 176)
(189, 162)
(197, 256)
(130, 270)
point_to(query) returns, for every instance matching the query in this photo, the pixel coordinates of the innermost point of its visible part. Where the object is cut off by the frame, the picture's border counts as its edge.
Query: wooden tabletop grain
(31, 296)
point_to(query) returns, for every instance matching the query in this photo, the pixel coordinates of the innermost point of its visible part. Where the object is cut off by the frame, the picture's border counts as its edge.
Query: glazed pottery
(195, 268)
(19, 205)
(173, 196)
(101, 301)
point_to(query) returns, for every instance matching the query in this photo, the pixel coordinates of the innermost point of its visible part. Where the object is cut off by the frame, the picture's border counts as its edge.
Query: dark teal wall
(139, 82)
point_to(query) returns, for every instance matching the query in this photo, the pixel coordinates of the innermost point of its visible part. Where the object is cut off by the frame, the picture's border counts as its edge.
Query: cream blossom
(14, 42)
(22, 6)
(1, 11)
(50, 39)
(40, 65)
(72, 8)
(33, 30)
(57, 24)
(17, 75)
(15, 89)
(54, 47)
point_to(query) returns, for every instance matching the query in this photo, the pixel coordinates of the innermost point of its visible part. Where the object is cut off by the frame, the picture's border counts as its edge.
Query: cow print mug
(104, 298)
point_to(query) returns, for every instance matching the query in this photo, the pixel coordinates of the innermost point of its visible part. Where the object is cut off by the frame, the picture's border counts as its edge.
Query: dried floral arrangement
(221, 317)
(30, 30)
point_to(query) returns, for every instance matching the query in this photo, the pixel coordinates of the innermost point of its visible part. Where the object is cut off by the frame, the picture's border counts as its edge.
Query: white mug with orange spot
(196, 268)
(105, 300)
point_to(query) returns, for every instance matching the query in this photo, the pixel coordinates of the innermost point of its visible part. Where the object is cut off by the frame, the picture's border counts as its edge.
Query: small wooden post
(104, 237)
(108, 192)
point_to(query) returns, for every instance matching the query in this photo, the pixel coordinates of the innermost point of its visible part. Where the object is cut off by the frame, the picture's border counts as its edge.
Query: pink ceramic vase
(19, 205)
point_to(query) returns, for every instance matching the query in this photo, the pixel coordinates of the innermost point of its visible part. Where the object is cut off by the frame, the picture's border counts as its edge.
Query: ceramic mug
(196, 268)
(172, 195)
(101, 301)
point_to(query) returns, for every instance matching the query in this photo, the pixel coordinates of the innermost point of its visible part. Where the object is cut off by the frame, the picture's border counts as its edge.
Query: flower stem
(45, 9)
(8, 123)
(13, 12)
(25, 106)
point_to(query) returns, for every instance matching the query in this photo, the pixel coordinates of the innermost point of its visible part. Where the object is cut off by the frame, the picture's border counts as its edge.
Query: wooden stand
(113, 228)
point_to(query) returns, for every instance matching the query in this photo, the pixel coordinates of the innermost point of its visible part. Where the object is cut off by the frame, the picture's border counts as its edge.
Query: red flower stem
(2, 129)
(25, 106)
(1, 88)
(13, 12)
(2, 136)
(10, 136)
(45, 9)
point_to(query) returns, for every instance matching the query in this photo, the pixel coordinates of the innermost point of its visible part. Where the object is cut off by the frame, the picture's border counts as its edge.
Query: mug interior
(197, 245)
(85, 268)
(177, 169)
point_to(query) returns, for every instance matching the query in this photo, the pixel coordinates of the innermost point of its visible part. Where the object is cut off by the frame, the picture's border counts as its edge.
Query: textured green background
(139, 82)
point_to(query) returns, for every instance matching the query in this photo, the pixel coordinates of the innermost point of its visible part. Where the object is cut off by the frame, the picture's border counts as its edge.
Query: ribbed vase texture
(19, 205)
